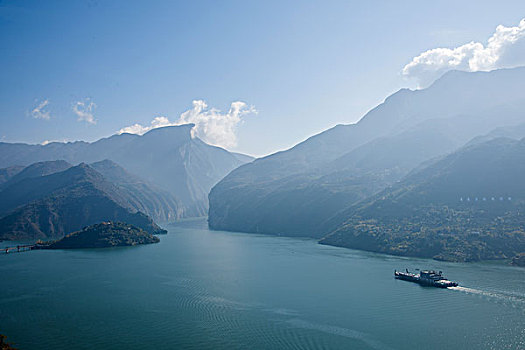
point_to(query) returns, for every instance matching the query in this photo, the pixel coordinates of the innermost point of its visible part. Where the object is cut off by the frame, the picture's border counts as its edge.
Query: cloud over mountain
(211, 125)
(504, 49)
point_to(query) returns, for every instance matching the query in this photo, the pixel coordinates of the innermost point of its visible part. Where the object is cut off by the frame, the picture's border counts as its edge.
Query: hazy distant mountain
(168, 158)
(36, 170)
(299, 191)
(160, 205)
(516, 132)
(51, 206)
(467, 206)
(8, 173)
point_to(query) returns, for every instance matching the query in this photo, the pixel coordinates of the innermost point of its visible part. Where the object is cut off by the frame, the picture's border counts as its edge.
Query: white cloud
(85, 111)
(211, 125)
(505, 48)
(157, 122)
(47, 142)
(40, 111)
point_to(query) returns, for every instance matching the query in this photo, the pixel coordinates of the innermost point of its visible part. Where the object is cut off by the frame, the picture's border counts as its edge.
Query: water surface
(201, 289)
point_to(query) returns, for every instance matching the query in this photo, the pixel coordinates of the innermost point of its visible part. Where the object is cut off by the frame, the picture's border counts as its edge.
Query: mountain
(466, 206)
(169, 158)
(36, 170)
(53, 205)
(516, 132)
(160, 205)
(243, 158)
(299, 192)
(8, 173)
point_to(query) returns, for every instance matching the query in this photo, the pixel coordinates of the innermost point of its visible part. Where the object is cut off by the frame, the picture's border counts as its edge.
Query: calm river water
(201, 289)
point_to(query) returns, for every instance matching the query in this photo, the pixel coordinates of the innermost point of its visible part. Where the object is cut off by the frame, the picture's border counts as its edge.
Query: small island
(103, 235)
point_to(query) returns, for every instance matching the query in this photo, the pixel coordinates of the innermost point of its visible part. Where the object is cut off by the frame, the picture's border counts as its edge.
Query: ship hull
(410, 277)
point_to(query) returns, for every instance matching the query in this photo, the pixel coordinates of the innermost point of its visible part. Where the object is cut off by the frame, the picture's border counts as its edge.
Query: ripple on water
(339, 331)
(203, 290)
(514, 299)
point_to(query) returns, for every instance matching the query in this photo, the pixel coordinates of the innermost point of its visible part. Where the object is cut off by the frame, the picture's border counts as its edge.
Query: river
(201, 289)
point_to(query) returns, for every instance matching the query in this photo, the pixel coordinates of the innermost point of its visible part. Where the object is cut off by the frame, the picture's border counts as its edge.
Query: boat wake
(513, 298)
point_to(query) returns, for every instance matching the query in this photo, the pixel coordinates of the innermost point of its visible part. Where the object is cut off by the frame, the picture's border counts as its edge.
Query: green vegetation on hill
(467, 206)
(438, 232)
(105, 235)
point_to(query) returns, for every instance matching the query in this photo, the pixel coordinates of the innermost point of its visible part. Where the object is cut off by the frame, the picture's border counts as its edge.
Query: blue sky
(304, 66)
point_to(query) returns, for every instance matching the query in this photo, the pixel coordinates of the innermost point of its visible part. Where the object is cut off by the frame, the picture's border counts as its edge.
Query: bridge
(18, 249)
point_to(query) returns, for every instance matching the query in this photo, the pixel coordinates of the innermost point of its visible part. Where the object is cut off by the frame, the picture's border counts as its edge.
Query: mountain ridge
(169, 158)
(51, 206)
(297, 192)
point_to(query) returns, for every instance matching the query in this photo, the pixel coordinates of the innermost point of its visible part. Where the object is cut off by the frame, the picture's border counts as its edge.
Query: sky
(255, 77)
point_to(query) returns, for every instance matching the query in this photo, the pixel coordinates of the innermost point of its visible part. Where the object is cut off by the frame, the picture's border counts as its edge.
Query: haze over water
(201, 289)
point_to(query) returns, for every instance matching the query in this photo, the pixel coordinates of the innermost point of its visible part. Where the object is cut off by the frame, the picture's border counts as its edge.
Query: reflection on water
(199, 289)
